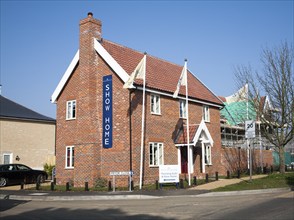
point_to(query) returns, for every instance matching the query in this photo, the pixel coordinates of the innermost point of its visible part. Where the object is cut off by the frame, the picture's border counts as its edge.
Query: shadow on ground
(65, 213)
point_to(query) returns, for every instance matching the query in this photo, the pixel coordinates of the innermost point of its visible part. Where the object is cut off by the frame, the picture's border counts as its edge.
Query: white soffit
(104, 54)
(111, 61)
(65, 77)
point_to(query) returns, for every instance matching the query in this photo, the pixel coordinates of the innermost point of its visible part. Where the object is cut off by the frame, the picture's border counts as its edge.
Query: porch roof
(195, 131)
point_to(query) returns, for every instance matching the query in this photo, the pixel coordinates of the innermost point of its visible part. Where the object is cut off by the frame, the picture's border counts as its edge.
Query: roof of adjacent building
(13, 110)
(236, 112)
(160, 74)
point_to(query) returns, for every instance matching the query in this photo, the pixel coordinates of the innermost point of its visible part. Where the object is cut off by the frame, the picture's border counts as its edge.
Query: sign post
(122, 173)
(249, 134)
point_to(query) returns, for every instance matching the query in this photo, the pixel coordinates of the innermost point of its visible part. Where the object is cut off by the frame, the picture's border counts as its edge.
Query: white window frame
(207, 156)
(155, 106)
(156, 154)
(10, 157)
(206, 113)
(71, 112)
(71, 157)
(183, 109)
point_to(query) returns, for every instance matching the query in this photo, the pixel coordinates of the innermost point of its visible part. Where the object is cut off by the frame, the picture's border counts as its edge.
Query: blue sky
(39, 39)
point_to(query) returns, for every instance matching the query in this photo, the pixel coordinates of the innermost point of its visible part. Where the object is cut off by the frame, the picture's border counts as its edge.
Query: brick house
(81, 154)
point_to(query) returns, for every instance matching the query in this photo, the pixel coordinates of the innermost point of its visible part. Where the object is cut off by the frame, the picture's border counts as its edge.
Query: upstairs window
(206, 116)
(155, 104)
(183, 109)
(69, 157)
(70, 109)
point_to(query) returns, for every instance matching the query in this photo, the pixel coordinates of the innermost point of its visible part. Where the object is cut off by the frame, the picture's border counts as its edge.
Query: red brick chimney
(90, 28)
(86, 92)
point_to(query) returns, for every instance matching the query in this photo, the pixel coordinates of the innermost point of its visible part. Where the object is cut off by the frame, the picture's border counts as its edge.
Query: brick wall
(233, 158)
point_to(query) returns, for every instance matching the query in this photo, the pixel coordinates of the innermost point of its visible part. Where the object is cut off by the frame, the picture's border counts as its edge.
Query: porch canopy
(199, 133)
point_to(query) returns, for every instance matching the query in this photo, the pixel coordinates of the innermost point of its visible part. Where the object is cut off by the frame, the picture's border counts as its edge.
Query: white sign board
(169, 174)
(249, 129)
(121, 173)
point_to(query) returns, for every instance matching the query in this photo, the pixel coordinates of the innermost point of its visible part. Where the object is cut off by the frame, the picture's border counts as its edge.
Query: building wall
(32, 142)
(233, 158)
(85, 132)
(158, 128)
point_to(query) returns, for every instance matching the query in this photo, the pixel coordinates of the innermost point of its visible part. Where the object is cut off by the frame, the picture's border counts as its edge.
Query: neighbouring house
(98, 121)
(237, 110)
(27, 137)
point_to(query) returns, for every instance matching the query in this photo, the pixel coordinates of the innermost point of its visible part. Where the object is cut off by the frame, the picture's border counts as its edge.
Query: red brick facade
(91, 160)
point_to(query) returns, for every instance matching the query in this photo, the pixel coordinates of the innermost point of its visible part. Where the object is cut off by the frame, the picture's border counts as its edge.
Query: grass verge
(275, 180)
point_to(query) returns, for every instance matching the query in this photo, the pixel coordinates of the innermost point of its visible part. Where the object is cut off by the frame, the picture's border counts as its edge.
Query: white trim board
(65, 77)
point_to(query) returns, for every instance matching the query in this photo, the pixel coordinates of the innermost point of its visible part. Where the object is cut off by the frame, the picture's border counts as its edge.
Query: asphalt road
(259, 206)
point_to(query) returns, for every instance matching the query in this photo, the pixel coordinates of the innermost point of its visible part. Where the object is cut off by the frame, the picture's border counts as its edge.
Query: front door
(184, 160)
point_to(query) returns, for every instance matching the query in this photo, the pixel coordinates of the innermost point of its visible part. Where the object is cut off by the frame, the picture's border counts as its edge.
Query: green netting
(236, 113)
(277, 159)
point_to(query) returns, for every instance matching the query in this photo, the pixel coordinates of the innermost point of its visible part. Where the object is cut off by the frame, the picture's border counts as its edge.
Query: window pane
(160, 154)
(155, 154)
(6, 159)
(151, 154)
(68, 109)
(73, 109)
(152, 103)
(68, 157)
(73, 157)
(183, 109)
(157, 104)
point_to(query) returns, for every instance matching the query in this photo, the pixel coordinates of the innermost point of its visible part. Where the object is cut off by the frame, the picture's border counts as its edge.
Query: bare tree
(276, 81)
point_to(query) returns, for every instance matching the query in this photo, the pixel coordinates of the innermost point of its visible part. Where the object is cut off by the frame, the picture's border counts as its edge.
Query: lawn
(275, 180)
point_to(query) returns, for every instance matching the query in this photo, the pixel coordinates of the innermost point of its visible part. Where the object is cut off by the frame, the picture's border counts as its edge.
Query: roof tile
(160, 74)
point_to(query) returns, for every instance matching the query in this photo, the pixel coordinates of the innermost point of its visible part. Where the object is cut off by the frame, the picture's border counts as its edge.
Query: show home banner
(107, 112)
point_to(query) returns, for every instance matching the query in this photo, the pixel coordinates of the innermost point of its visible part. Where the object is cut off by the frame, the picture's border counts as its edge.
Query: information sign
(169, 174)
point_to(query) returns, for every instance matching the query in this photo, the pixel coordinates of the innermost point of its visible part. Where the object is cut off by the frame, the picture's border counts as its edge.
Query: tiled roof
(12, 110)
(182, 136)
(160, 74)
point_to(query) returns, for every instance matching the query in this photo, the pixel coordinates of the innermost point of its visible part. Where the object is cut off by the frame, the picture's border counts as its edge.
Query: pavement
(204, 190)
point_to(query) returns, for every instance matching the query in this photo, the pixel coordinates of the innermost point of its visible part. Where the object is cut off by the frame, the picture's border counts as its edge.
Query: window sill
(152, 113)
(154, 166)
(70, 119)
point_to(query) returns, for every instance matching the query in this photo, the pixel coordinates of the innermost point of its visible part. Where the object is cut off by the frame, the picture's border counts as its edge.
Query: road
(261, 206)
